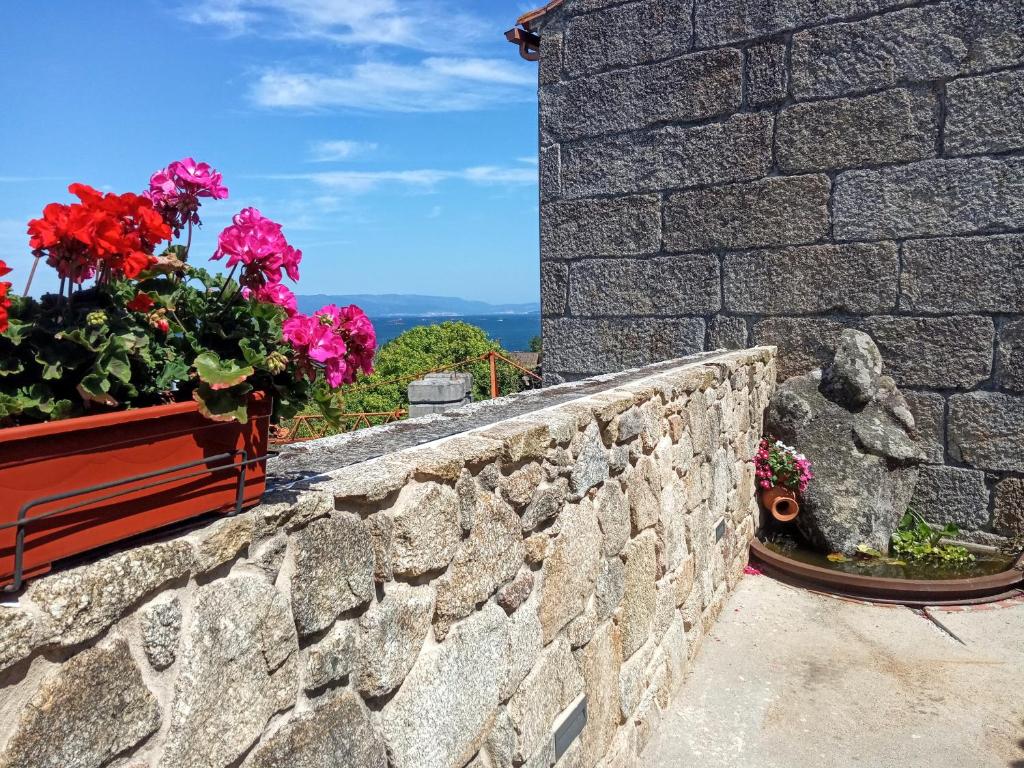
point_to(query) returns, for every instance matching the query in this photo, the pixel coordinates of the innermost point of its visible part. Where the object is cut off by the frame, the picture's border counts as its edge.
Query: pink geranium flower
(176, 189)
(341, 342)
(257, 243)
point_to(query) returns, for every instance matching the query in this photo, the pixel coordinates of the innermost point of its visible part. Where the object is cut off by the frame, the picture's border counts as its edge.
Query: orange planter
(79, 484)
(781, 502)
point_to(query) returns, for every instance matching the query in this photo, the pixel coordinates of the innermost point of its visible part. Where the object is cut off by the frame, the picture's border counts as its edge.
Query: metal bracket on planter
(24, 520)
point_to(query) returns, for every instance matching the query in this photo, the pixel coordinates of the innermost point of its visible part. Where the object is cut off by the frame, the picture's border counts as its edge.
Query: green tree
(422, 349)
(536, 345)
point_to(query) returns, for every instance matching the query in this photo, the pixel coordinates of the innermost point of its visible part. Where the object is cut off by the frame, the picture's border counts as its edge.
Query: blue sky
(395, 140)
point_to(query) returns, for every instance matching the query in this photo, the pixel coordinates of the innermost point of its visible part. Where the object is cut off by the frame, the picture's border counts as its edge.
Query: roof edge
(527, 20)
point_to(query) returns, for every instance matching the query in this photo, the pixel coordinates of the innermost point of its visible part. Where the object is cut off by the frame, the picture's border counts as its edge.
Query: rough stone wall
(723, 173)
(438, 607)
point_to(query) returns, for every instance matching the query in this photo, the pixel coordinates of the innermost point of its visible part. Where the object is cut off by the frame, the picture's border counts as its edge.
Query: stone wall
(439, 606)
(724, 173)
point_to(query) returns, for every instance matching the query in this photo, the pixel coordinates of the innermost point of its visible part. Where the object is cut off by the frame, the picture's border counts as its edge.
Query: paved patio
(789, 679)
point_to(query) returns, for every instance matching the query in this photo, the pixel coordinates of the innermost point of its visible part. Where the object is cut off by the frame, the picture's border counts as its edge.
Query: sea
(513, 332)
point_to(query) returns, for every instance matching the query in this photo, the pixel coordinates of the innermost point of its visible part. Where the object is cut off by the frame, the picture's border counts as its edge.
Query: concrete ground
(790, 679)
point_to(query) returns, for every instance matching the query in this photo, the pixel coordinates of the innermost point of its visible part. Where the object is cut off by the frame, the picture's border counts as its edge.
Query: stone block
(441, 388)
(727, 332)
(804, 343)
(618, 226)
(613, 516)
(630, 99)
(525, 641)
(933, 197)
(854, 278)
(333, 571)
(774, 211)
(986, 430)
(552, 57)
(20, 635)
(726, 21)
(445, 707)
(336, 733)
(237, 668)
(985, 114)
(550, 172)
(1010, 372)
(332, 658)
(1008, 517)
(911, 45)
(554, 288)
(963, 275)
(896, 126)
(490, 556)
(570, 570)
(929, 411)
(644, 491)
(627, 35)
(547, 503)
(83, 602)
(767, 75)
(549, 688)
(951, 495)
(669, 285)
(584, 346)
(421, 532)
(737, 149)
(640, 596)
(939, 352)
(391, 634)
(600, 662)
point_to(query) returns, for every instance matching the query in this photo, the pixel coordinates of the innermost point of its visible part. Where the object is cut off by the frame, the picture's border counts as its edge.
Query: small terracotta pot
(781, 502)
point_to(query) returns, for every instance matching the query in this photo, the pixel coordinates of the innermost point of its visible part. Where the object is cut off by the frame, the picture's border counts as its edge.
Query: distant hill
(404, 305)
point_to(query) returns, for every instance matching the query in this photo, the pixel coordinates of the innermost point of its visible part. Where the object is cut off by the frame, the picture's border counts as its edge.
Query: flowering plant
(780, 464)
(134, 324)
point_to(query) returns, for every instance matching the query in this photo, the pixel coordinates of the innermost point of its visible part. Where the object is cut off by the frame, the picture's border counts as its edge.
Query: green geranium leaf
(223, 404)
(173, 371)
(221, 374)
(96, 388)
(17, 331)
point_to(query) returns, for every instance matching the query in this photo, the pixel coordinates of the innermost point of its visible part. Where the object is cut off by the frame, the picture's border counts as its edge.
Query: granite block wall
(446, 605)
(724, 173)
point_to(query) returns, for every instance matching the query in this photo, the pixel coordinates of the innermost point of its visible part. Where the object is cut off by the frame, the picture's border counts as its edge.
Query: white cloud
(424, 179)
(410, 24)
(339, 149)
(433, 85)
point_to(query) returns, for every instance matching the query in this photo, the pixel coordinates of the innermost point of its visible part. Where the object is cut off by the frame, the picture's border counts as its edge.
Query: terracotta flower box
(87, 482)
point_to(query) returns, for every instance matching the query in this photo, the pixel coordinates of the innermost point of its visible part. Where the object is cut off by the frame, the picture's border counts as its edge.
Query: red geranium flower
(141, 303)
(5, 303)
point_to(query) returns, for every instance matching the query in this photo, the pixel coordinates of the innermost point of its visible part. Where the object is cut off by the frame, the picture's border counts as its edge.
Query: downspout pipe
(528, 42)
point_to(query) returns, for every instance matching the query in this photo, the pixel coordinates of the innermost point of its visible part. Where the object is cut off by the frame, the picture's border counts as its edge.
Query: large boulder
(854, 426)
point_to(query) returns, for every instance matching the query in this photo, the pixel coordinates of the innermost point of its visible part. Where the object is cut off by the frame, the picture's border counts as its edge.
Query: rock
(635, 675)
(161, 625)
(639, 598)
(864, 458)
(333, 658)
(19, 635)
(491, 556)
(333, 571)
(600, 662)
(222, 542)
(465, 488)
(591, 466)
(513, 594)
(552, 685)
(391, 634)
(500, 745)
(85, 601)
(610, 587)
(268, 556)
(613, 516)
(853, 377)
(570, 570)
(88, 711)
(337, 734)
(421, 533)
(537, 548)
(952, 495)
(518, 487)
(237, 668)
(547, 503)
(525, 641)
(643, 488)
(449, 699)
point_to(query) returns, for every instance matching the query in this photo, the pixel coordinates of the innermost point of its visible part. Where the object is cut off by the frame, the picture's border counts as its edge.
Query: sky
(394, 140)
